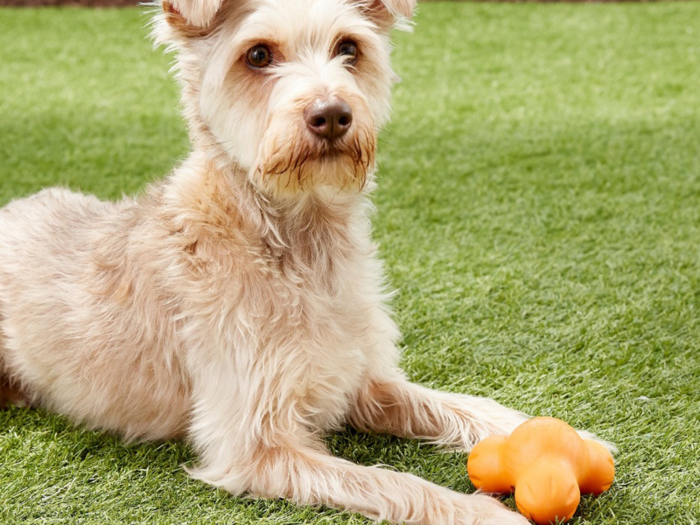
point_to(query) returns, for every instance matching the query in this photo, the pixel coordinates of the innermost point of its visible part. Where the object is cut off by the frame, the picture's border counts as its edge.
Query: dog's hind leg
(10, 391)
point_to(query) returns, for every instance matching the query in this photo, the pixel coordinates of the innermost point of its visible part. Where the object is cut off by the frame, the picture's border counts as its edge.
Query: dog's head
(293, 91)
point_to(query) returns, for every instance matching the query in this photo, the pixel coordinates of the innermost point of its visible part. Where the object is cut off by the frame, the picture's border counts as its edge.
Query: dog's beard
(293, 163)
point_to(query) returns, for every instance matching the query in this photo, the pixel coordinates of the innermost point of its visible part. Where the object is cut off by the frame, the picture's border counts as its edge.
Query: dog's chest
(317, 338)
(329, 360)
(328, 387)
(299, 323)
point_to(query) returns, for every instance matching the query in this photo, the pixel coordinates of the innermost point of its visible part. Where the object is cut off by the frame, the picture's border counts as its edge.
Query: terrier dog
(240, 304)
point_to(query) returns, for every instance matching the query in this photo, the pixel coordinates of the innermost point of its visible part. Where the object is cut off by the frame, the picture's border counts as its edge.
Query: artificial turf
(538, 209)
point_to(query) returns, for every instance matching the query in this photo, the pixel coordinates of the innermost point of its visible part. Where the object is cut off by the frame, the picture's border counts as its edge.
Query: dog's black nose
(329, 119)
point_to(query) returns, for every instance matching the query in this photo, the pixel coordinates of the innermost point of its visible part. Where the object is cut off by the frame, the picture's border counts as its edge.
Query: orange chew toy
(548, 465)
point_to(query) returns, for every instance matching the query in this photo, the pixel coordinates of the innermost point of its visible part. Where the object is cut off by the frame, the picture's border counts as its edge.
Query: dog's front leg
(392, 405)
(309, 476)
(389, 404)
(251, 441)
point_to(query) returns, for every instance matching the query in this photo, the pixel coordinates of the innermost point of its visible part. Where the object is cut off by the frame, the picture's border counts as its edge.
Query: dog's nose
(329, 119)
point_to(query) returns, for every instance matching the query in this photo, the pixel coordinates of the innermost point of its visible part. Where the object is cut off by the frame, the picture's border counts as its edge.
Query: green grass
(539, 212)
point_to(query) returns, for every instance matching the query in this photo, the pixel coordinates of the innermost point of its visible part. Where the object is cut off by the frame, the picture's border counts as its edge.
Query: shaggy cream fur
(239, 304)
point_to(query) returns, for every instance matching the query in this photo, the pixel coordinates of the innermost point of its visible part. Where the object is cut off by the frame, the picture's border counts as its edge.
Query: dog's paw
(479, 418)
(480, 509)
(610, 447)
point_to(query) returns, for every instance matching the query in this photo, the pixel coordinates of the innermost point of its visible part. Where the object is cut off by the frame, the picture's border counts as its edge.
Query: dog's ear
(390, 13)
(193, 16)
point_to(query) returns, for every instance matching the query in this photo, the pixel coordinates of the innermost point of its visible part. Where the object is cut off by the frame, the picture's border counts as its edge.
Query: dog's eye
(347, 48)
(259, 56)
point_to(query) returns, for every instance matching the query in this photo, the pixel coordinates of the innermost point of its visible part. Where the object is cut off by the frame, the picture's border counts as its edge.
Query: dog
(239, 304)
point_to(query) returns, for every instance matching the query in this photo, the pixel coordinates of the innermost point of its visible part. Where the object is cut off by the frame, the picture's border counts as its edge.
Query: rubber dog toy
(547, 464)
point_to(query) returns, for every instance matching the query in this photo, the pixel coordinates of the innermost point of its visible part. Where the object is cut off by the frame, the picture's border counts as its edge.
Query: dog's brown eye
(347, 48)
(259, 56)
